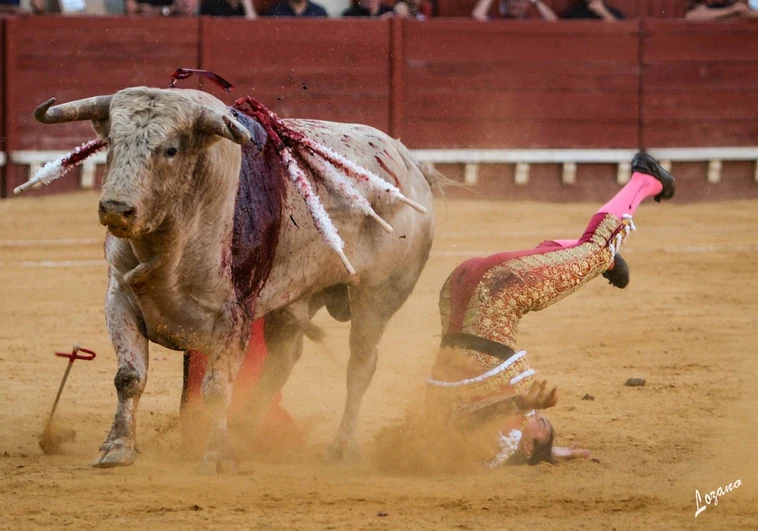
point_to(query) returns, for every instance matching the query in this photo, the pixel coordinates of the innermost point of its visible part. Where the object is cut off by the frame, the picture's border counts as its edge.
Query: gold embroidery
(504, 294)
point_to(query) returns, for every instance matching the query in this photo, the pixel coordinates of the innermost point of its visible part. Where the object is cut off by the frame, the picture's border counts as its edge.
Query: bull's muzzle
(117, 216)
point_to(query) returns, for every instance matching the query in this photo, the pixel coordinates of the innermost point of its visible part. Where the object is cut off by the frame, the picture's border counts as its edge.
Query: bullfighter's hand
(740, 9)
(537, 397)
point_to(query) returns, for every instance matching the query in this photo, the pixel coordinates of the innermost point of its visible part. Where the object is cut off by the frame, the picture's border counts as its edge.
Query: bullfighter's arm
(250, 13)
(544, 10)
(569, 452)
(481, 9)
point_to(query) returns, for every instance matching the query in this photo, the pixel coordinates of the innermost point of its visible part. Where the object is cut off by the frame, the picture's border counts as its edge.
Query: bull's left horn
(96, 108)
(223, 125)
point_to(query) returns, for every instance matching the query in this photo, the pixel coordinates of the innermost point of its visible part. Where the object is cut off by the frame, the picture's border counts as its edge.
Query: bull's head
(161, 145)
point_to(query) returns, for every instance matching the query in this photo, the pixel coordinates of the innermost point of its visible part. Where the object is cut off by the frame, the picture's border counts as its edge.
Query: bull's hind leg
(127, 334)
(371, 307)
(284, 340)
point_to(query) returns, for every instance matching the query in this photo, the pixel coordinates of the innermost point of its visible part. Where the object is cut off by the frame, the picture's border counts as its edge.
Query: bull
(205, 233)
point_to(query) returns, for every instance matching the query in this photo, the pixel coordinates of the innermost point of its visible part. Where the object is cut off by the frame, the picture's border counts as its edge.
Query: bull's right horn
(223, 125)
(95, 108)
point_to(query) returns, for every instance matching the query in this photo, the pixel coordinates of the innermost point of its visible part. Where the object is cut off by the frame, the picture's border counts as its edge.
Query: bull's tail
(434, 178)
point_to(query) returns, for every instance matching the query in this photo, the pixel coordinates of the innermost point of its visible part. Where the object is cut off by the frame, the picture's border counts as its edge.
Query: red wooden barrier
(670, 9)
(323, 69)
(2, 103)
(76, 57)
(440, 84)
(510, 84)
(700, 84)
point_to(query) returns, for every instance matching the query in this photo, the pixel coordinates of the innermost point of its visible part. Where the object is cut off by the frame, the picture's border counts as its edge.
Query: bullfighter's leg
(371, 307)
(218, 383)
(127, 335)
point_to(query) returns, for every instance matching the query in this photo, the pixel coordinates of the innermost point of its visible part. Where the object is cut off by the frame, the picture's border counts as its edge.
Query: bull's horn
(223, 125)
(96, 108)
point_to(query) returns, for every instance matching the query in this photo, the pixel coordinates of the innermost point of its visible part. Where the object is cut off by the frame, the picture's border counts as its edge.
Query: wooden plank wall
(444, 84)
(2, 103)
(506, 84)
(322, 69)
(700, 89)
(665, 9)
(700, 84)
(76, 57)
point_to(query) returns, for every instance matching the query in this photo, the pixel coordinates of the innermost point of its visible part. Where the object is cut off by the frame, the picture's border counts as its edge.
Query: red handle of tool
(75, 354)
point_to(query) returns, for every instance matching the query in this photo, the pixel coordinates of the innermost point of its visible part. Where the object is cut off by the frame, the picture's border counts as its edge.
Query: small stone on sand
(635, 382)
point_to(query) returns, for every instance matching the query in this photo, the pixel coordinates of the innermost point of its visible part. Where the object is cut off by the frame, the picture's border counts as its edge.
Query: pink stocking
(626, 201)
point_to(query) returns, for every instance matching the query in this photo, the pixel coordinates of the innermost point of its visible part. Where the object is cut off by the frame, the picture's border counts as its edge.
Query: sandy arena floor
(686, 323)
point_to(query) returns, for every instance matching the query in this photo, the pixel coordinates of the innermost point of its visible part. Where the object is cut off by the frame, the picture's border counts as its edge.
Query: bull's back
(305, 264)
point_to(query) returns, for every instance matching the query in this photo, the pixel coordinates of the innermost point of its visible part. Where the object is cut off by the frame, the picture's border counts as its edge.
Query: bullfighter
(478, 375)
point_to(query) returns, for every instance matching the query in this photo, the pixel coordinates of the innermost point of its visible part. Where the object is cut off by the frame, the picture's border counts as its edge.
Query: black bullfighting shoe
(619, 275)
(644, 163)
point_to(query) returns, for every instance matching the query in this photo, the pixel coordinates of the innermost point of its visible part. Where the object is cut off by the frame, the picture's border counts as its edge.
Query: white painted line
(694, 249)
(712, 249)
(550, 234)
(56, 263)
(499, 234)
(51, 242)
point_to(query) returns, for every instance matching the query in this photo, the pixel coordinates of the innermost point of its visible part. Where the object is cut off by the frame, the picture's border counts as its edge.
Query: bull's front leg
(127, 334)
(218, 383)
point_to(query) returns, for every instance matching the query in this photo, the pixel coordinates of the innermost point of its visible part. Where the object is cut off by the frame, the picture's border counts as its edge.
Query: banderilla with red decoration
(51, 439)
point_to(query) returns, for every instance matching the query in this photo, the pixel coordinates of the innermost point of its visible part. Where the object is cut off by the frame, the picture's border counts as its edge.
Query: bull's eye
(171, 152)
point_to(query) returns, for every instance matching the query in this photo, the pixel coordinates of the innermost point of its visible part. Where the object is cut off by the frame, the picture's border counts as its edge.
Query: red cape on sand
(277, 422)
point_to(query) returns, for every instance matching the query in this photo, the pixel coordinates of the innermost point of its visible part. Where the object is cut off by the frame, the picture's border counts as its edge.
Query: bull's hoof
(342, 451)
(214, 463)
(114, 454)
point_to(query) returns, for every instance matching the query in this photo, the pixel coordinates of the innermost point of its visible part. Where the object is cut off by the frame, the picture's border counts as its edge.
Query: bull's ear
(101, 128)
(222, 125)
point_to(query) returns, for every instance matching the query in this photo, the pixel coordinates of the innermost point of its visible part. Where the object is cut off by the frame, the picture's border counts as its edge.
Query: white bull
(206, 232)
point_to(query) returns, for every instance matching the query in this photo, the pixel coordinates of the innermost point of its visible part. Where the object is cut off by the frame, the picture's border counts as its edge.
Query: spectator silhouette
(702, 10)
(513, 9)
(228, 8)
(367, 8)
(593, 9)
(413, 9)
(297, 8)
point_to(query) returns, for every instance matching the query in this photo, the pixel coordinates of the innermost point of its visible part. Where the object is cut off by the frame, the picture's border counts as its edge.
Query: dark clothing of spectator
(221, 8)
(11, 3)
(284, 9)
(360, 11)
(156, 3)
(580, 10)
(710, 5)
